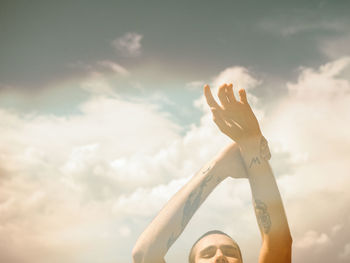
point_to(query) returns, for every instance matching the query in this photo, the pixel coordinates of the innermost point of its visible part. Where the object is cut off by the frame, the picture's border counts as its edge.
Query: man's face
(216, 248)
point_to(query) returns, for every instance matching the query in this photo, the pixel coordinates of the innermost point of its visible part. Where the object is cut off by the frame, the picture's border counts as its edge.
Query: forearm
(155, 241)
(237, 120)
(267, 200)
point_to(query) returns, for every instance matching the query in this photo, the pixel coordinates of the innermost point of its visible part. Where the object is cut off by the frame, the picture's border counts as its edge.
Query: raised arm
(236, 119)
(170, 222)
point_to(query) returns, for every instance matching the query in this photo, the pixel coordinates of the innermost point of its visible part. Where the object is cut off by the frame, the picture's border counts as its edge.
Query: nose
(220, 257)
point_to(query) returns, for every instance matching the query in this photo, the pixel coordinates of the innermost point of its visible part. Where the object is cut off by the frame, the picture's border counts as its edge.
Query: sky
(103, 119)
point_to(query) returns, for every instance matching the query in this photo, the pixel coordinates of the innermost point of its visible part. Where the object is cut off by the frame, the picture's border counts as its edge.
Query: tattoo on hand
(263, 216)
(194, 200)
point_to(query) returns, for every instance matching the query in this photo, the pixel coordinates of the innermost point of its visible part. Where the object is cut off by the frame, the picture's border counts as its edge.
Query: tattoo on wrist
(265, 153)
(262, 216)
(255, 160)
(194, 200)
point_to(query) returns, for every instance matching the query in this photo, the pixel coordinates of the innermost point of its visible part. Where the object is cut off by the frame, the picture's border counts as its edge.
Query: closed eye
(208, 252)
(230, 251)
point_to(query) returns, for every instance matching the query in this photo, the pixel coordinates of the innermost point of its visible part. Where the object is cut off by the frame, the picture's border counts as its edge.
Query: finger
(210, 99)
(243, 96)
(222, 95)
(220, 123)
(229, 93)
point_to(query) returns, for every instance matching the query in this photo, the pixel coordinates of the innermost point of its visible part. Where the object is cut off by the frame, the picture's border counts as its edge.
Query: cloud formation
(114, 67)
(311, 123)
(292, 24)
(81, 188)
(129, 44)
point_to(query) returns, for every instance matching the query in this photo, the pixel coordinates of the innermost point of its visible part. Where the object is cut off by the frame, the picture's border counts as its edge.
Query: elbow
(281, 242)
(137, 255)
(278, 251)
(140, 251)
(143, 256)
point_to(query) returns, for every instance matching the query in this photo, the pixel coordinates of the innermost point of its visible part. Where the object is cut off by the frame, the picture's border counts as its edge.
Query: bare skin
(247, 157)
(236, 119)
(216, 248)
(170, 222)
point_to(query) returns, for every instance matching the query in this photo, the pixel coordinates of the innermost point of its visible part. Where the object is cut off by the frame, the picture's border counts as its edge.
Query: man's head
(215, 246)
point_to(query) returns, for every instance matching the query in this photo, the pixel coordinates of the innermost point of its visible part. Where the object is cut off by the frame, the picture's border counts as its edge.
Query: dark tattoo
(171, 241)
(206, 170)
(255, 160)
(263, 216)
(194, 199)
(265, 153)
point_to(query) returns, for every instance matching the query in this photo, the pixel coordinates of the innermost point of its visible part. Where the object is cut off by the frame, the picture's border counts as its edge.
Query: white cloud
(317, 104)
(80, 187)
(115, 161)
(101, 67)
(129, 44)
(311, 239)
(312, 121)
(195, 84)
(118, 69)
(59, 183)
(96, 83)
(239, 76)
(288, 26)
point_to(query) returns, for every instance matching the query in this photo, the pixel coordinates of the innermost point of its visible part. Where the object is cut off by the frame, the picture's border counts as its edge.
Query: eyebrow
(228, 246)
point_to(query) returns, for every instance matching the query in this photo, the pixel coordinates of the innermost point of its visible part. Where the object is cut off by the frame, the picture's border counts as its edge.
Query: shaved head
(193, 252)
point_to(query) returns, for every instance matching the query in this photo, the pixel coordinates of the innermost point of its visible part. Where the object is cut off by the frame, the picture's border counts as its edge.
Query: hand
(234, 118)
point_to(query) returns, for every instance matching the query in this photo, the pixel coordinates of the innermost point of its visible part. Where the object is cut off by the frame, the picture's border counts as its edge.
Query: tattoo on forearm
(204, 172)
(194, 199)
(171, 240)
(263, 216)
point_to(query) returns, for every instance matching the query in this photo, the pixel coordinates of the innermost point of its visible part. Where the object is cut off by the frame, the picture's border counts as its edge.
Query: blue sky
(103, 118)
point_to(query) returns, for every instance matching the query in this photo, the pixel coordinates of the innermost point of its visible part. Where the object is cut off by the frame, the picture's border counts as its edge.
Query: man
(247, 157)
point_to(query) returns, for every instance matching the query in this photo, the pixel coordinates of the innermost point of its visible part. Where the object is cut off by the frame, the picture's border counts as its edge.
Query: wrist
(219, 171)
(250, 144)
(255, 147)
(228, 163)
